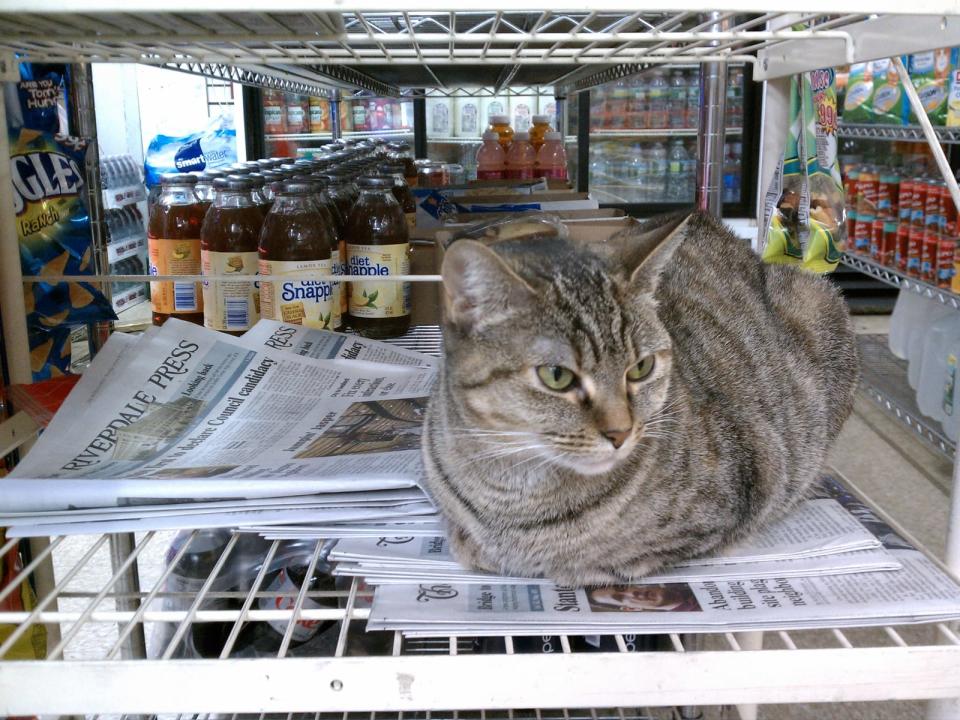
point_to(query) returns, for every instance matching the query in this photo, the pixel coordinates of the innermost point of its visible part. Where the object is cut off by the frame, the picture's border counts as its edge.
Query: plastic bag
(213, 147)
(784, 200)
(931, 74)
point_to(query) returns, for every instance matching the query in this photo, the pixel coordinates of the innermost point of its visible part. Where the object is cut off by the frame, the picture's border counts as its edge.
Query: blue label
(190, 157)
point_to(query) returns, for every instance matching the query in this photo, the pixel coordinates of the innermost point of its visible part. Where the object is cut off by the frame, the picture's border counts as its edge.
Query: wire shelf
(946, 135)
(897, 279)
(884, 378)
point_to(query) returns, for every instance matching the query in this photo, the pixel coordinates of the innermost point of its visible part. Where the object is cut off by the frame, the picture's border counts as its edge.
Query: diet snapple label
(304, 629)
(302, 302)
(372, 299)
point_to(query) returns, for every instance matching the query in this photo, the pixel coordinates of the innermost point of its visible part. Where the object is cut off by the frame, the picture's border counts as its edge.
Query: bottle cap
(553, 135)
(178, 179)
(491, 135)
(521, 136)
(499, 119)
(296, 187)
(540, 119)
(375, 183)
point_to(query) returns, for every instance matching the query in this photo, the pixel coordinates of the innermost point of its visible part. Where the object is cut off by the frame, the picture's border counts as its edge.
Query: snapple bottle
(228, 246)
(296, 240)
(173, 242)
(378, 245)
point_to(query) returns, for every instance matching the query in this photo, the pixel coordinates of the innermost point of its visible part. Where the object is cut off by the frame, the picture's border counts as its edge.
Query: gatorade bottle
(521, 157)
(491, 158)
(539, 130)
(552, 158)
(500, 124)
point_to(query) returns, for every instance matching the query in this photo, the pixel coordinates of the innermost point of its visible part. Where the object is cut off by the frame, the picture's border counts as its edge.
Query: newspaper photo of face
(643, 598)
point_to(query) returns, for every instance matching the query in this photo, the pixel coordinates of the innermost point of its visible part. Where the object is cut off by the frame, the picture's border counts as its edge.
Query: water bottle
(676, 167)
(690, 173)
(938, 369)
(657, 101)
(658, 172)
(678, 99)
(693, 98)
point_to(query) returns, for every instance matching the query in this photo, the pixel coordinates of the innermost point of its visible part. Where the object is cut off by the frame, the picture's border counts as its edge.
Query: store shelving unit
(857, 131)
(316, 48)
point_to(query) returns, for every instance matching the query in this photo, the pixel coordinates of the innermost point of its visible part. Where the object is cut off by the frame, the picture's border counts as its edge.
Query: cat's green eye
(556, 377)
(642, 370)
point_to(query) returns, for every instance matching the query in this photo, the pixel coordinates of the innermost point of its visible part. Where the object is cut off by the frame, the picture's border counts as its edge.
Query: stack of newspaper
(920, 591)
(185, 427)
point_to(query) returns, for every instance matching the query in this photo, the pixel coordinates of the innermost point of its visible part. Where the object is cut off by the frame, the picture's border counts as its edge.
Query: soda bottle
(500, 124)
(539, 130)
(173, 244)
(296, 240)
(521, 157)
(552, 158)
(229, 241)
(657, 101)
(378, 245)
(678, 99)
(491, 158)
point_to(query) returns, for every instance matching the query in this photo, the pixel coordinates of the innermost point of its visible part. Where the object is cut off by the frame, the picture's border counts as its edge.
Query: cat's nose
(616, 437)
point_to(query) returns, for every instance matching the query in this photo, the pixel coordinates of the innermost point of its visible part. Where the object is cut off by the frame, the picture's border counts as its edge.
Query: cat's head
(555, 354)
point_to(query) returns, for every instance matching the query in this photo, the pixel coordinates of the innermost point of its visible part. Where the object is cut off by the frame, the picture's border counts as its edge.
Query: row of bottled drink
(346, 211)
(292, 113)
(660, 99)
(658, 171)
(903, 217)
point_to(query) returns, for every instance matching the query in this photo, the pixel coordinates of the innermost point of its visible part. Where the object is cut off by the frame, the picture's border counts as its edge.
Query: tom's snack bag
(889, 100)
(826, 225)
(953, 100)
(930, 73)
(782, 208)
(39, 96)
(54, 232)
(858, 104)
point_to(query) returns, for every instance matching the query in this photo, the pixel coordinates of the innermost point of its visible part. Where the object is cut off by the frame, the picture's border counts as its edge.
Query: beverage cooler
(284, 124)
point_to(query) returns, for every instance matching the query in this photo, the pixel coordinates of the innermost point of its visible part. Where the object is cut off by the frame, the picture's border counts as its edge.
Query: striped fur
(755, 369)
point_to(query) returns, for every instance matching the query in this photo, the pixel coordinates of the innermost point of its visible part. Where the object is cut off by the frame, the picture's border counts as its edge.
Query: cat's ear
(650, 252)
(479, 289)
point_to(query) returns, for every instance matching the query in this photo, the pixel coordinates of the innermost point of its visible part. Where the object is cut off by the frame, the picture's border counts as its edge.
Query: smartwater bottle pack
(213, 147)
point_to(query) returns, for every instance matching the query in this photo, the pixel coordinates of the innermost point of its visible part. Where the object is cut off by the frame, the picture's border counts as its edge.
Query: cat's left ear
(652, 252)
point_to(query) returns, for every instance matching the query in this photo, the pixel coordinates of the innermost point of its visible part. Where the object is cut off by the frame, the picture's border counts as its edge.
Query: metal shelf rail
(349, 46)
(900, 280)
(862, 131)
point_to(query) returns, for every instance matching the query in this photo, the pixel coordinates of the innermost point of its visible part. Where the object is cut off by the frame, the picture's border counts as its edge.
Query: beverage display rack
(863, 131)
(314, 48)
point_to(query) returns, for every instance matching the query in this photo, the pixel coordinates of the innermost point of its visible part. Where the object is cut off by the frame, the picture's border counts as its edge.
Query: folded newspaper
(177, 428)
(920, 592)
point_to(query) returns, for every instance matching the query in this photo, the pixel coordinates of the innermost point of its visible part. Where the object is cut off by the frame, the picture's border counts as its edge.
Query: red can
(888, 190)
(863, 233)
(928, 257)
(914, 251)
(903, 242)
(948, 211)
(876, 239)
(888, 244)
(918, 203)
(932, 207)
(867, 190)
(905, 201)
(946, 248)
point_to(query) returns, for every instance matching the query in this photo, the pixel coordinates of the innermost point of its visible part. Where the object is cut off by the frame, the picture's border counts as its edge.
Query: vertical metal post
(83, 122)
(710, 141)
(336, 131)
(583, 141)
(562, 124)
(83, 118)
(420, 125)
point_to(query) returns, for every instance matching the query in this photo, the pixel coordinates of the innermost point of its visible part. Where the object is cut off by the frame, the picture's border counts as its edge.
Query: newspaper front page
(191, 414)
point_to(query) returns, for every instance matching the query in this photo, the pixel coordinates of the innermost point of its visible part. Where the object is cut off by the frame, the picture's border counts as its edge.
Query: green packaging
(858, 104)
(889, 100)
(782, 205)
(930, 73)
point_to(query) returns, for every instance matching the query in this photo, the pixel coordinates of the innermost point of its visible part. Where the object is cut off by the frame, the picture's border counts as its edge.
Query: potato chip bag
(930, 73)
(858, 104)
(889, 100)
(782, 221)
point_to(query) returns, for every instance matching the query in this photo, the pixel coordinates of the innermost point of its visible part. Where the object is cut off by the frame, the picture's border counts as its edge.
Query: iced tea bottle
(402, 193)
(538, 130)
(338, 251)
(173, 242)
(378, 245)
(500, 124)
(229, 240)
(295, 240)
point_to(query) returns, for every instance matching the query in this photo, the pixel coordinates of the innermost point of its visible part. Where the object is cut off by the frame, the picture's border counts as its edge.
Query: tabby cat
(600, 415)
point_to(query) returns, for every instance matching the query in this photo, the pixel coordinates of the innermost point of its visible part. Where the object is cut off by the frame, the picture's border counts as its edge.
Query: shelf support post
(710, 141)
(336, 130)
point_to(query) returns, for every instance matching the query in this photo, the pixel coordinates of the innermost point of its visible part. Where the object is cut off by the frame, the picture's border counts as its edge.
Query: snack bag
(889, 100)
(930, 73)
(38, 100)
(213, 147)
(54, 232)
(826, 227)
(953, 100)
(782, 219)
(32, 645)
(858, 103)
